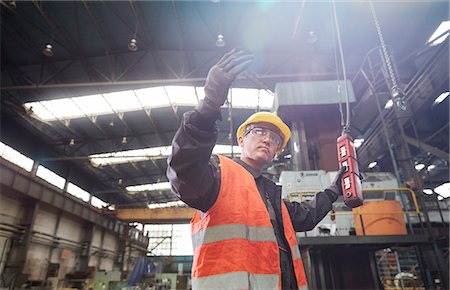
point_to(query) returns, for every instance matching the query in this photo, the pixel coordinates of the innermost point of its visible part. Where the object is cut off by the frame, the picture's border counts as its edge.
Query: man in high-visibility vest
(243, 233)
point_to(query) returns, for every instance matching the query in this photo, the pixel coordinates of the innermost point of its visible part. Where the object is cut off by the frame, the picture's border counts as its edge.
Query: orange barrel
(381, 217)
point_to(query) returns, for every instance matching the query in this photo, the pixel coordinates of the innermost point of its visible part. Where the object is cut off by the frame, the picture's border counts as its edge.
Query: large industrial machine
(387, 208)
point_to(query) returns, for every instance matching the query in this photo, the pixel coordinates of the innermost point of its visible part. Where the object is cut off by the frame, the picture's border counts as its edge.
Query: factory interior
(93, 92)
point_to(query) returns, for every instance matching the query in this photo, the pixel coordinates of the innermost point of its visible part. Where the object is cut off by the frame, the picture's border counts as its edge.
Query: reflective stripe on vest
(295, 252)
(237, 280)
(232, 231)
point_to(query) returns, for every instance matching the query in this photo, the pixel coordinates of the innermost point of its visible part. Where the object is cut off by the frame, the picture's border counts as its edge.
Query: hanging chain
(396, 93)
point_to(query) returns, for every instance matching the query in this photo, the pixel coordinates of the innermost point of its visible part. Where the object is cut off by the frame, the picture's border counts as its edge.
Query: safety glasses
(274, 138)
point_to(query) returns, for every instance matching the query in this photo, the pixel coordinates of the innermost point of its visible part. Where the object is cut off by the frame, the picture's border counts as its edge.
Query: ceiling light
(443, 190)
(312, 37)
(420, 166)
(124, 140)
(13, 5)
(220, 42)
(48, 50)
(132, 46)
(358, 142)
(398, 98)
(439, 35)
(372, 164)
(389, 104)
(441, 98)
(427, 191)
(431, 167)
(72, 142)
(91, 106)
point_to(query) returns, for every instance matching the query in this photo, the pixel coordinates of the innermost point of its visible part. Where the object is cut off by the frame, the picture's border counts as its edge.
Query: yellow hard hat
(271, 118)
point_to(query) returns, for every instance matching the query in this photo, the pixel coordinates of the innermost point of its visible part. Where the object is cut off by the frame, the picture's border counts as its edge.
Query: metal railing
(405, 196)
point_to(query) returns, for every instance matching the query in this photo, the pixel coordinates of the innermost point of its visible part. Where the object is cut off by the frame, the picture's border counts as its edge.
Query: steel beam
(157, 215)
(16, 180)
(153, 82)
(433, 150)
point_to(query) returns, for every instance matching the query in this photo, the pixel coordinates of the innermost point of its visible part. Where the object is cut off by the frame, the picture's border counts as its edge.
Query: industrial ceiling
(293, 41)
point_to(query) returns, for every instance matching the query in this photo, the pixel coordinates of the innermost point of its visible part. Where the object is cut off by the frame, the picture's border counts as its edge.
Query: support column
(86, 242)
(14, 269)
(299, 147)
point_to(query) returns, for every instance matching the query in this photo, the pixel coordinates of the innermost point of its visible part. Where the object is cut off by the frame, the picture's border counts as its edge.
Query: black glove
(222, 74)
(336, 184)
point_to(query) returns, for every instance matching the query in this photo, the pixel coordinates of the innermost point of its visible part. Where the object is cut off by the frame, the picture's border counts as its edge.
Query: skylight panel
(62, 108)
(137, 155)
(177, 203)
(438, 37)
(93, 105)
(153, 97)
(251, 98)
(16, 157)
(200, 92)
(123, 101)
(244, 98)
(149, 187)
(50, 177)
(182, 95)
(40, 111)
(130, 155)
(115, 158)
(265, 99)
(78, 192)
(135, 100)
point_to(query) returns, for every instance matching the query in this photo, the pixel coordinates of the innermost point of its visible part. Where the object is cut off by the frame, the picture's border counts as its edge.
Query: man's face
(259, 144)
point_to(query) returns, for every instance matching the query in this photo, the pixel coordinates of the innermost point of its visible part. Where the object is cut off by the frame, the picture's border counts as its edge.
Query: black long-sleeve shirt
(194, 173)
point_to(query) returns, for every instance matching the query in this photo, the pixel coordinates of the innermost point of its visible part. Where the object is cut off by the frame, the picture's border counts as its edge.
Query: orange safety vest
(234, 242)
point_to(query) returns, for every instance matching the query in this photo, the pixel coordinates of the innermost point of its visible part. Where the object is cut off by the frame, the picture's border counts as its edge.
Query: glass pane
(149, 187)
(36, 109)
(93, 105)
(251, 98)
(173, 239)
(63, 108)
(152, 97)
(78, 192)
(50, 176)
(16, 157)
(182, 95)
(97, 202)
(2, 148)
(123, 101)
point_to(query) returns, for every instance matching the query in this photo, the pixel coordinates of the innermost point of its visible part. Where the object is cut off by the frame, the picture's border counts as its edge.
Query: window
(78, 192)
(169, 240)
(50, 177)
(16, 157)
(97, 202)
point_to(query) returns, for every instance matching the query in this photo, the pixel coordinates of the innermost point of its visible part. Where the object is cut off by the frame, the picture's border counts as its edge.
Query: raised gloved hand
(336, 186)
(222, 74)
